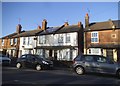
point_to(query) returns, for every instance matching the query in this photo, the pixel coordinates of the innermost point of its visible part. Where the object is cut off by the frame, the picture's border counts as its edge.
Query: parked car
(4, 60)
(95, 63)
(34, 61)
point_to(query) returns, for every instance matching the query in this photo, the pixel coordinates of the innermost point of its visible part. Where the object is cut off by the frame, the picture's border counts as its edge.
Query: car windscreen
(40, 57)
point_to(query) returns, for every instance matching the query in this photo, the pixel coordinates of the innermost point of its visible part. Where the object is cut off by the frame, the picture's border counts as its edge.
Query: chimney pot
(66, 24)
(79, 24)
(39, 27)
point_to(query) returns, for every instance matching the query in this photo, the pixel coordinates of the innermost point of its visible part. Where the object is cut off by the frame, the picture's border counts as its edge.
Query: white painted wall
(52, 40)
(25, 47)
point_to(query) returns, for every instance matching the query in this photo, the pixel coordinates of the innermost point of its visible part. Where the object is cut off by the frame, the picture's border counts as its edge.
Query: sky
(31, 14)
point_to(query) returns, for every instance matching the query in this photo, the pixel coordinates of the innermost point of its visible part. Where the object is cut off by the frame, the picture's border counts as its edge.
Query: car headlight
(44, 62)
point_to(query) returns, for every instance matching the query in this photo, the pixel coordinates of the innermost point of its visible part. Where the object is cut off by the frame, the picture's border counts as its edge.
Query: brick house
(102, 38)
(9, 44)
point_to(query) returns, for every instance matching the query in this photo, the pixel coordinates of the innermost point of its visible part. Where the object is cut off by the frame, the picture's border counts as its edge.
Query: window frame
(11, 41)
(24, 40)
(95, 37)
(15, 41)
(68, 40)
(60, 38)
(42, 39)
(3, 41)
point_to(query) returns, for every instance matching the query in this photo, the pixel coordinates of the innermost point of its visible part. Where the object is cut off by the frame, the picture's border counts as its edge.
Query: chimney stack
(87, 20)
(44, 24)
(18, 28)
(66, 24)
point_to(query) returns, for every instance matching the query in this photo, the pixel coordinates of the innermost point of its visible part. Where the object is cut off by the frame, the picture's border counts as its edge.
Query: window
(95, 51)
(2, 42)
(11, 41)
(42, 40)
(28, 40)
(60, 38)
(94, 37)
(101, 59)
(67, 38)
(89, 58)
(24, 39)
(15, 41)
(23, 56)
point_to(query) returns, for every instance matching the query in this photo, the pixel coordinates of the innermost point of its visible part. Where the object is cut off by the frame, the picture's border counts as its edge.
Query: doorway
(110, 53)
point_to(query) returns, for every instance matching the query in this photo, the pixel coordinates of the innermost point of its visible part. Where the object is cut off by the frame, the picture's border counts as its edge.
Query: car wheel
(79, 70)
(38, 67)
(118, 74)
(19, 65)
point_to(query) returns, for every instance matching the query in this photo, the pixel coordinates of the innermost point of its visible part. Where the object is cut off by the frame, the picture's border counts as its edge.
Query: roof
(49, 30)
(9, 36)
(68, 29)
(28, 33)
(106, 25)
(60, 29)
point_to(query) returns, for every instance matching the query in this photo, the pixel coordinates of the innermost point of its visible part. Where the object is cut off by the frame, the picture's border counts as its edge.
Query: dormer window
(94, 37)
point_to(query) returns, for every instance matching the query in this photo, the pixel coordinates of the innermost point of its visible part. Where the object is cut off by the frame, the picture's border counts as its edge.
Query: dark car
(34, 61)
(95, 63)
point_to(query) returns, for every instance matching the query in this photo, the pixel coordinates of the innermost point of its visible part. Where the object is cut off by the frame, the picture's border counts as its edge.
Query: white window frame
(28, 41)
(2, 42)
(11, 41)
(95, 51)
(42, 39)
(24, 40)
(60, 38)
(94, 35)
(68, 38)
(15, 41)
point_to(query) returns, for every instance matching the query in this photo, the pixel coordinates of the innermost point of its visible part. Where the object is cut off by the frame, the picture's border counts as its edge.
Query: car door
(89, 63)
(30, 61)
(104, 65)
(22, 60)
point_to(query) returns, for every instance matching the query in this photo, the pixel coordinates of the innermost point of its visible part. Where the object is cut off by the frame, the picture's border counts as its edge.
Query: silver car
(95, 63)
(4, 60)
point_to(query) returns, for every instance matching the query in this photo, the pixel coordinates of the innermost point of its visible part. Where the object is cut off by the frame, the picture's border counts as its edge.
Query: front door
(110, 53)
(55, 54)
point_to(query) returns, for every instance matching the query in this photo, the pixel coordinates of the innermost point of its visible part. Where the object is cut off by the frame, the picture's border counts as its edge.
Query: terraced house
(102, 38)
(61, 43)
(28, 41)
(58, 43)
(10, 45)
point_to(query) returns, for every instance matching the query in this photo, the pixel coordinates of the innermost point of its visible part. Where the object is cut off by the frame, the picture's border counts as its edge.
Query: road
(12, 75)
